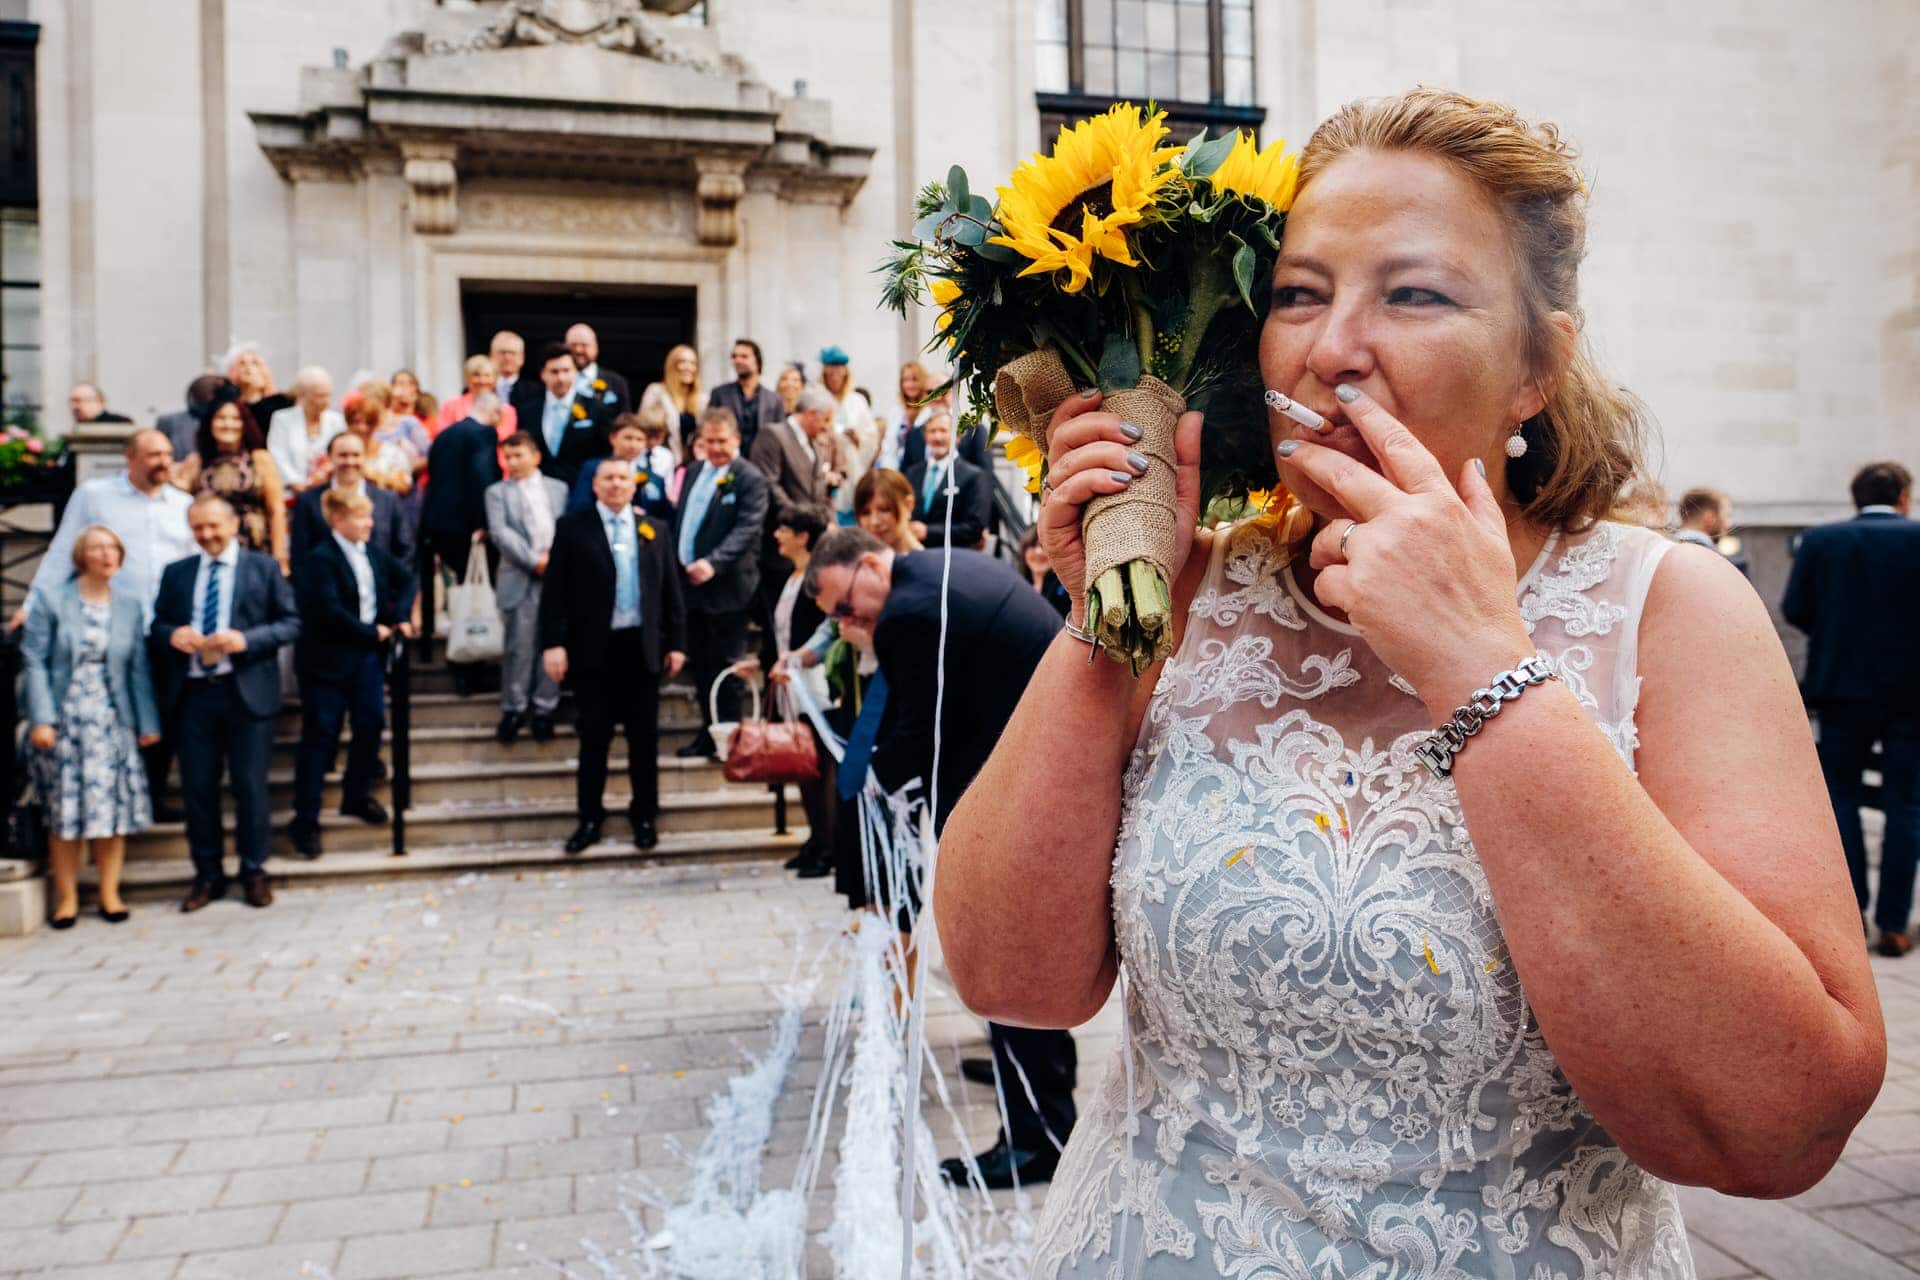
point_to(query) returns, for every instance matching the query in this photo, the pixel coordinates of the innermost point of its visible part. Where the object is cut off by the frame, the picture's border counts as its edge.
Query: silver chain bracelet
(1440, 747)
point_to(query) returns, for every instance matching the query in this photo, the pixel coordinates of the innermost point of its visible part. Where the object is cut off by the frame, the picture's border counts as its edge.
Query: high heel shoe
(115, 917)
(62, 922)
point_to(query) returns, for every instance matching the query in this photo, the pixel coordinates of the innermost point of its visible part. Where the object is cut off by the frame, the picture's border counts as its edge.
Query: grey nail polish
(1130, 431)
(1286, 448)
(1090, 393)
(1346, 393)
(1121, 476)
(1481, 467)
(1138, 461)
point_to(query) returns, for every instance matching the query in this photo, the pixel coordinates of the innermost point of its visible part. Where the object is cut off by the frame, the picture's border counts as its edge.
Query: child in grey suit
(520, 513)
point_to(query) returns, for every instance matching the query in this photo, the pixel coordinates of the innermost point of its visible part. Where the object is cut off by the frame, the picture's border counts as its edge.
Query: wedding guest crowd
(256, 520)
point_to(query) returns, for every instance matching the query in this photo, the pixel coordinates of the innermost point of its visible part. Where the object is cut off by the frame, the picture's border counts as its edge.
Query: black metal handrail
(400, 718)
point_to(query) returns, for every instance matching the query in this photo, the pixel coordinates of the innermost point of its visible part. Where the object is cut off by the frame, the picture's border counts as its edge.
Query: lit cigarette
(1296, 411)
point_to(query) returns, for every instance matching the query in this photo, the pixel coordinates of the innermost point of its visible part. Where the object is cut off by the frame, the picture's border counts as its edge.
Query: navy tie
(210, 607)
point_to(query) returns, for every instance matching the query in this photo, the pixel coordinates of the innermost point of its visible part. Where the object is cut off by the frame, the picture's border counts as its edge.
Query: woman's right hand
(1087, 452)
(41, 736)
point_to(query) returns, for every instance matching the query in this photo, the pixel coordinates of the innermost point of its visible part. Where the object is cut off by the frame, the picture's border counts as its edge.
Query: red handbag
(771, 751)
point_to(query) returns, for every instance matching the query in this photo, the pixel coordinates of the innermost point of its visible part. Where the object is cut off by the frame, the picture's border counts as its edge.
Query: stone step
(734, 809)
(475, 744)
(449, 710)
(505, 779)
(158, 876)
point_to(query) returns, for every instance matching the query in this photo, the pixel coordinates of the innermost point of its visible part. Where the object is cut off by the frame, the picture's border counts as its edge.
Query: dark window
(1194, 58)
(19, 228)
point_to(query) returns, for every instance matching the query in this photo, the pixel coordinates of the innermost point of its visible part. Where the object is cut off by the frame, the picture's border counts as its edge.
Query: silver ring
(1046, 489)
(1345, 534)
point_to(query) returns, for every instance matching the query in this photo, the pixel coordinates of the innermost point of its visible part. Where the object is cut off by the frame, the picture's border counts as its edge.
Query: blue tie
(626, 567)
(210, 607)
(932, 487)
(697, 503)
(860, 740)
(556, 424)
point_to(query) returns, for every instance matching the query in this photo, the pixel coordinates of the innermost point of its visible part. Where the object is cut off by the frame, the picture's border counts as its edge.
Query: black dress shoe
(999, 1163)
(978, 1070)
(306, 839)
(508, 730)
(701, 748)
(168, 813)
(813, 869)
(201, 892)
(584, 836)
(115, 917)
(644, 836)
(369, 811)
(542, 728)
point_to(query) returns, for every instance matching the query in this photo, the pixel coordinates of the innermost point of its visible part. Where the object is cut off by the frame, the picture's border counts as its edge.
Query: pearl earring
(1517, 443)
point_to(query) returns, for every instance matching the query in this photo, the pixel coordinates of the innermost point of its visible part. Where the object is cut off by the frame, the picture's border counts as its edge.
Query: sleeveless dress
(235, 477)
(1335, 1074)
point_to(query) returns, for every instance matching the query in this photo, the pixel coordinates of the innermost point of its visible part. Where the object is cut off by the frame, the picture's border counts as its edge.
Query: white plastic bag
(476, 633)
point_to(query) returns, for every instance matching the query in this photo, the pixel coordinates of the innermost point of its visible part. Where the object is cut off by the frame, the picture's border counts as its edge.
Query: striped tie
(210, 607)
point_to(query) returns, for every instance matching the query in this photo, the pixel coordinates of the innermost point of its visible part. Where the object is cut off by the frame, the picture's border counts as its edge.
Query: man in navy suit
(353, 597)
(997, 629)
(392, 527)
(723, 509)
(1855, 591)
(944, 477)
(219, 620)
(571, 420)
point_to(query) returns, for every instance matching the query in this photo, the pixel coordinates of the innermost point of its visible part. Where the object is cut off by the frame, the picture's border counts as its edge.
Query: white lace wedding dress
(1335, 1072)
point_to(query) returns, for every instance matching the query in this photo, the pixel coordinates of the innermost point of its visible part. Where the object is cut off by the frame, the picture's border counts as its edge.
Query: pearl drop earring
(1517, 443)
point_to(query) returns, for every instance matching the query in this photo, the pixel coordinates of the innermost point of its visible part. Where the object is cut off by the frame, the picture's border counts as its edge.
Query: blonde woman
(899, 437)
(89, 698)
(480, 376)
(791, 382)
(1405, 1002)
(677, 394)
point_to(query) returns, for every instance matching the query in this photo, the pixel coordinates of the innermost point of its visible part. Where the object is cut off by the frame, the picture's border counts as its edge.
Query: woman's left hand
(148, 739)
(1427, 574)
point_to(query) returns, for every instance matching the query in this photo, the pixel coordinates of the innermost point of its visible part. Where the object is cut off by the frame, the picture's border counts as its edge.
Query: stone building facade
(363, 183)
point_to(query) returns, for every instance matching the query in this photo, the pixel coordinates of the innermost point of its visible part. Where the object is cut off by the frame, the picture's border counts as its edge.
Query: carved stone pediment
(598, 92)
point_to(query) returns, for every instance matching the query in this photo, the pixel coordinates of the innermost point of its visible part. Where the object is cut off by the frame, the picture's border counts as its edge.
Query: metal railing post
(400, 695)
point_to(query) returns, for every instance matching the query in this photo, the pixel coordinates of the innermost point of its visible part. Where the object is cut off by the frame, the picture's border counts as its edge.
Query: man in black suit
(353, 596)
(89, 404)
(600, 385)
(392, 527)
(943, 478)
(462, 464)
(572, 428)
(998, 628)
(613, 621)
(723, 509)
(219, 620)
(1855, 591)
(752, 403)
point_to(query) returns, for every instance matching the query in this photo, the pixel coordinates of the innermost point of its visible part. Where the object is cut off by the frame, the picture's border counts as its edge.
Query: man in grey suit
(798, 456)
(521, 511)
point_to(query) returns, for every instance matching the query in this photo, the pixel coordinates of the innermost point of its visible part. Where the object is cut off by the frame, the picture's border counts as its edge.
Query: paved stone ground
(456, 1077)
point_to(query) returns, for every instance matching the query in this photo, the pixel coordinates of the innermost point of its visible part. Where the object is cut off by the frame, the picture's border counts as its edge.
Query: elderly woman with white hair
(297, 436)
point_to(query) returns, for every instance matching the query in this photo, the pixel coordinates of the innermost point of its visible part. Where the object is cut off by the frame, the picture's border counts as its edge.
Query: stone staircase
(477, 804)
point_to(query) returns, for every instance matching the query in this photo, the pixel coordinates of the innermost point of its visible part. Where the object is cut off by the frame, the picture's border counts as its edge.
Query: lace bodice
(1335, 1071)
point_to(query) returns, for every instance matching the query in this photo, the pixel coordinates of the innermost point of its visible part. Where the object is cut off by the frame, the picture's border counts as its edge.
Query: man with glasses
(997, 629)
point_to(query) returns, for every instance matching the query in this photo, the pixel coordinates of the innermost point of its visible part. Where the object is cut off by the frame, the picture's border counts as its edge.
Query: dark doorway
(637, 325)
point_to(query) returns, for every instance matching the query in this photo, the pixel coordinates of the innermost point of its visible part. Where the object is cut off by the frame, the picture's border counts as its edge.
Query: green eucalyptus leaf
(967, 232)
(981, 208)
(1209, 156)
(1243, 262)
(996, 253)
(959, 195)
(928, 228)
(1119, 364)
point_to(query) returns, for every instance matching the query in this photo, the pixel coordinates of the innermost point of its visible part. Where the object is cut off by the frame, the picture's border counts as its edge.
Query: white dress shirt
(229, 564)
(152, 526)
(292, 449)
(533, 492)
(362, 566)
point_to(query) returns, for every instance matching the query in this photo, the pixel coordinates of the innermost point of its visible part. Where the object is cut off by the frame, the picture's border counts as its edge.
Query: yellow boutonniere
(724, 482)
(641, 477)
(599, 384)
(646, 531)
(579, 410)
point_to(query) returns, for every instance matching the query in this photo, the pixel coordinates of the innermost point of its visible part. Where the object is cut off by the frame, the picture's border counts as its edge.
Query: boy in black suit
(612, 620)
(723, 511)
(353, 597)
(1855, 591)
(218, 624)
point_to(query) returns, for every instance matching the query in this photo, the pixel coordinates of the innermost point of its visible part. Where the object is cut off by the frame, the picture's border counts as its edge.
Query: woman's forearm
(1021, 894)
(1642, 962)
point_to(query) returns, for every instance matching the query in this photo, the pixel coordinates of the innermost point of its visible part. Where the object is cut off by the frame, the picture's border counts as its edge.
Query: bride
(1403, 1004)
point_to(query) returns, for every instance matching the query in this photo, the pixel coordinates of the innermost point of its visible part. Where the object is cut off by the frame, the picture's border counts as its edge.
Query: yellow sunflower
(1268, 175)
(1103, 174)
(1025, 454)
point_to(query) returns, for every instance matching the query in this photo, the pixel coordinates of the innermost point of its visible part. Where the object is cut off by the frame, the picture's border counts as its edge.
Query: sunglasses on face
(843, 611)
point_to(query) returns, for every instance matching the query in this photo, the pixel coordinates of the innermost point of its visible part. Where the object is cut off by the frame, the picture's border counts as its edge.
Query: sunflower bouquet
(1120, 263)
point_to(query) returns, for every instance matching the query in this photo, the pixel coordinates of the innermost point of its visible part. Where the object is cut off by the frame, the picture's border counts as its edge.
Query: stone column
(329, 268)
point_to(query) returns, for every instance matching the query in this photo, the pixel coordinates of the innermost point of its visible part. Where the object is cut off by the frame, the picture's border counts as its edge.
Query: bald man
(584, 343)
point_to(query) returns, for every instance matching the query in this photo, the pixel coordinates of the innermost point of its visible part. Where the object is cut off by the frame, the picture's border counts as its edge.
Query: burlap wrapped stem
(1129, 536)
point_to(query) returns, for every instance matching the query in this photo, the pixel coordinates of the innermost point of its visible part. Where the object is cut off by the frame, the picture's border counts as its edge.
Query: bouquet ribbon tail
(1139, 524)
